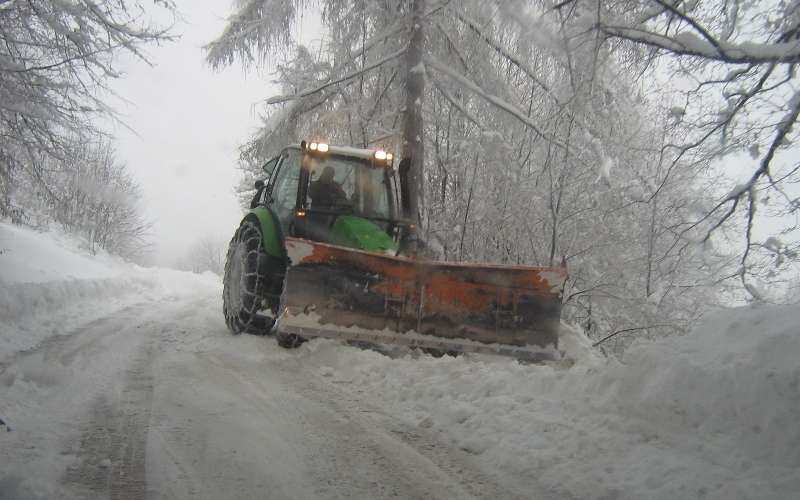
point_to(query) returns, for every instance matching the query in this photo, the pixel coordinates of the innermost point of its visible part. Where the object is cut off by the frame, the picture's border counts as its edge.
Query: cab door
(284, 188)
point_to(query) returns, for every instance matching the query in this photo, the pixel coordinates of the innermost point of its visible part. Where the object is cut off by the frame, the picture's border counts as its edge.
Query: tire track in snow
(452, 466)
(171, 406)
(348, 446)
(112, 454)
(81, 403)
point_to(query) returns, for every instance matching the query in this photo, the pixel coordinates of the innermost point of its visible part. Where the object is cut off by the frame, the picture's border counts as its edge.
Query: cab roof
(364, 154)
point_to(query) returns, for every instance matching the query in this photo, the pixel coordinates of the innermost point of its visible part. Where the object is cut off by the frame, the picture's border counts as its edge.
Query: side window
(284, 186)
(269, 169)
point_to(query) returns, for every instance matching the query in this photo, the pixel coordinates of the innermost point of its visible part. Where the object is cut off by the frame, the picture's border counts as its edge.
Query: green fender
(270, 231)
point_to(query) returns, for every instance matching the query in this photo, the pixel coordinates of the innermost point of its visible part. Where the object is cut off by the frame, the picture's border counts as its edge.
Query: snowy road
(118, 381)
(159, 401)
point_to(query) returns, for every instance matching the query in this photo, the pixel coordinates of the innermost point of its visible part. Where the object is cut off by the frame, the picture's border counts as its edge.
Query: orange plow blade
(338, 292)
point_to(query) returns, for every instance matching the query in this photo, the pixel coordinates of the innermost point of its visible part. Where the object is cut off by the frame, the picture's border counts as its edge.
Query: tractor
(327, 251)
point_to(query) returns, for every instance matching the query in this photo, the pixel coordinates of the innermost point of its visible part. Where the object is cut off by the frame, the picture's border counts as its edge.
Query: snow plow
(324, 253)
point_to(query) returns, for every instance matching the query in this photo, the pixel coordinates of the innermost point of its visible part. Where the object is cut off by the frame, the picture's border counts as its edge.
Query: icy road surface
(159, 401)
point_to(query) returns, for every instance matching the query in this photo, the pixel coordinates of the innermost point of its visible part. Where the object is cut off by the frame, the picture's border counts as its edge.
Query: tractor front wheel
(245, 281)
(288, 340)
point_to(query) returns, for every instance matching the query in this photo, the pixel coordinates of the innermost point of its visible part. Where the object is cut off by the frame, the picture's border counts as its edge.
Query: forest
(57, 158)
(645, 144)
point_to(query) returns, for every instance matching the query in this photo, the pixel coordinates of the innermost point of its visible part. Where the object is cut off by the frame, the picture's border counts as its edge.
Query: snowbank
(49, 286)
(713, 414)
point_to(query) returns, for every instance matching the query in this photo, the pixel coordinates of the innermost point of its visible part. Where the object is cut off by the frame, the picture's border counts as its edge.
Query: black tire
(288, 340)
(245, 280)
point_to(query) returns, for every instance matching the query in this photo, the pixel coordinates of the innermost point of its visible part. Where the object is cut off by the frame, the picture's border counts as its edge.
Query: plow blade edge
(341, 293)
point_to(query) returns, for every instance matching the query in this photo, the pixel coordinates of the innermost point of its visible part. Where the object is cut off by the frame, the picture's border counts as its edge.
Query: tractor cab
(338, 195)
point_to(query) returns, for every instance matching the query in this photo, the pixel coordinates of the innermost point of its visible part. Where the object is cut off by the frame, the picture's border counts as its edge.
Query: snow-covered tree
(55, 61)
(537, 147)
(728, 70)
(94, 196)
(205, 254)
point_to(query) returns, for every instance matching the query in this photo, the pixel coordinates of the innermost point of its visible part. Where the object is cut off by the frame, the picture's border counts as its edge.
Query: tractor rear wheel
(245, 281)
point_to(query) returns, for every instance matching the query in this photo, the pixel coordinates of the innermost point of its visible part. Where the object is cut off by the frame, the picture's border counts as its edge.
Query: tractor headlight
(380, 155)
(322, 147)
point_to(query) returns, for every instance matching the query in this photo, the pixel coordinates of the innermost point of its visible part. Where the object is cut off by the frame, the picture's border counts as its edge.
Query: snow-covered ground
(123, 382)
(715, 414)
(49, 286)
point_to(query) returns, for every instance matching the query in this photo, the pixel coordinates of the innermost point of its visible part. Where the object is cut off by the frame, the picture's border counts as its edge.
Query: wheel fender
(270, 231)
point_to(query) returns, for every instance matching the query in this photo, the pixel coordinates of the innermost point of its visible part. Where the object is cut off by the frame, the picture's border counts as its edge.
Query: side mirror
(257, 196)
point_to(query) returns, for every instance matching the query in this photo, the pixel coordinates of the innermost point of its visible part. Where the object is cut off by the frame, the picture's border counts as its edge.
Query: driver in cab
(325, 192)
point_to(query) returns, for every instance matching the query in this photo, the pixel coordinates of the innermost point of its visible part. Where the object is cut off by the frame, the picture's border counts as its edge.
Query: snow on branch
(497, 47)
(347, 77)
(263, 25)
(492, 99)
(745, 195)
(469, 116)
(689, 44)
(454, 102)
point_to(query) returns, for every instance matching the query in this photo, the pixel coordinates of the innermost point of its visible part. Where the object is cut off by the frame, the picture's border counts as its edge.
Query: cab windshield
(347, 185)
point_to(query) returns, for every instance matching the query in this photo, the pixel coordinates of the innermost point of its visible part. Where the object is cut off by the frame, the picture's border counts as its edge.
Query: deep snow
(709, 415)
(49, 285)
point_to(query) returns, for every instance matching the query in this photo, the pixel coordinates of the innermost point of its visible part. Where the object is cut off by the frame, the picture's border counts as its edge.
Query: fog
(182, 125)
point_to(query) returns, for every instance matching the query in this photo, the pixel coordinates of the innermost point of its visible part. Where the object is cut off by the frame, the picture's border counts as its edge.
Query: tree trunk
(413, 138)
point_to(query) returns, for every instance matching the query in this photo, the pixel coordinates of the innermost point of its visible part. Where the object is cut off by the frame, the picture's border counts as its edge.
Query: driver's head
(327, 174)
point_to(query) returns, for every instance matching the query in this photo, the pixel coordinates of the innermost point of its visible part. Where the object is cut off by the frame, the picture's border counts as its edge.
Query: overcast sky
(188, 122)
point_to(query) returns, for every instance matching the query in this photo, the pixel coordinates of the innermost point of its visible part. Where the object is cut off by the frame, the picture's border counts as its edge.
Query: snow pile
(738, 374)
(575, 346)
(49, 285)
(713, 414)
